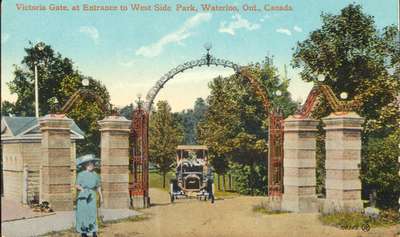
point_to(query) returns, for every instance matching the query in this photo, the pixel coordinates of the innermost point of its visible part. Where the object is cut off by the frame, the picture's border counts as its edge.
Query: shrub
(249, 180)
(389, 217)
(379, 170)
(344, 219)
(354, 220)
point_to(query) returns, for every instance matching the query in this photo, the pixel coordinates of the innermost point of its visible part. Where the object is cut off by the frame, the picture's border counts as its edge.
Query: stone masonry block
(300, 191)
(344, 154)
(300, 154)
(114, 169)
(299, 163)
(342, 164)
(343, 174)
(299, 172)
(116, 178)
(115, 156)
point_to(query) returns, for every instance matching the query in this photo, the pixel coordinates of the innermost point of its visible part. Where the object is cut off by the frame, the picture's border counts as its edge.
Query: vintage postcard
(200, 118)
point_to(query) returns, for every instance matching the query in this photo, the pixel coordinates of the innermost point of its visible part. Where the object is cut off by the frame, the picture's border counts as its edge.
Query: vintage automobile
(193, 175)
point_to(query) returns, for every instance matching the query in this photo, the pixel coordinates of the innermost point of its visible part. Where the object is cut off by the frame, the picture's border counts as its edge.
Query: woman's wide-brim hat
(87, 158)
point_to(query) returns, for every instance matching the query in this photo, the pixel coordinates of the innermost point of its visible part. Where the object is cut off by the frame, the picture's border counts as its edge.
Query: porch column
(299, 165)
(115, 161)
(343, 157)
(55, 172)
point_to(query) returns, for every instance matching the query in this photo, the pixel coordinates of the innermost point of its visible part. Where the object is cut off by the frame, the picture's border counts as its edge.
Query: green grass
(156, 180)
(129, 219)
(265, 208)
(67, 232)
(344, 220)
(354, 220)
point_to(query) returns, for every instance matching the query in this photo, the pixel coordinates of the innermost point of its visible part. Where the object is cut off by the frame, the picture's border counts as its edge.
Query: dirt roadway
(230, 217)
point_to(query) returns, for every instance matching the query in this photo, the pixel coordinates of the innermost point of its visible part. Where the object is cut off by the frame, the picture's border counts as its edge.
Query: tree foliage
(57, 79)
(356, 58)
(127, 111)
(165, 134)
(380, 169)
(235, 127)
(363, 61)
(189, 120)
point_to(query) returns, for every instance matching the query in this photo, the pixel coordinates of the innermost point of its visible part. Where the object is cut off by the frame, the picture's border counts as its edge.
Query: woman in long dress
(88, 184)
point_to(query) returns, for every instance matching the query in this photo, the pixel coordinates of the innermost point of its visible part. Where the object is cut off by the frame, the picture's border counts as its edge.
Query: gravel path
(230, 217)
(12, 210)
(56, 222)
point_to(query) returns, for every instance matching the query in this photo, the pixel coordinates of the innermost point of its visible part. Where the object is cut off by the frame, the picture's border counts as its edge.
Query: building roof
(28, 128)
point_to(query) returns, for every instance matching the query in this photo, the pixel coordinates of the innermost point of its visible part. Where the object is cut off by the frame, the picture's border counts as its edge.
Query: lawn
(156, 180)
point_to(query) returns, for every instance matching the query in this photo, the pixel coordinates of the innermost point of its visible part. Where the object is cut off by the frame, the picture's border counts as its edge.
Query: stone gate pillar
(342, 164)
(299, 174)
(115, 161)
(55, 186)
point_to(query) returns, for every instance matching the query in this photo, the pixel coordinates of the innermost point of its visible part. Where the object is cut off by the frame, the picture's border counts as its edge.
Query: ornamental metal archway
(84, 94)
(139, 176)
(321, 90)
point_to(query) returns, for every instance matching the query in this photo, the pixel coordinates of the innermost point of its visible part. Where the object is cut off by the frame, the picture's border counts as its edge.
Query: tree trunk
(219, 187)
(223, 183)
(163, 183)
(230, 182)
(252, 178)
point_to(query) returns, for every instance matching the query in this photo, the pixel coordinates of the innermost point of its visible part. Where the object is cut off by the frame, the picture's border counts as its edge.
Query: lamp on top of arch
(207, 46)
(85, 82)
(343, 95)
(321, 77)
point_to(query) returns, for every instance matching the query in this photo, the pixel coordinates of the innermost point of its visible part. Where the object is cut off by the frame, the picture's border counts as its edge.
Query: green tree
(235, 127)
(87, 110)
(57, 79)
(381, 155)
(355, 57)
(200, 109)
(7, 108)
(127, 111)
(187, 120)
(190, 118)
(165, 135)
(361, 60)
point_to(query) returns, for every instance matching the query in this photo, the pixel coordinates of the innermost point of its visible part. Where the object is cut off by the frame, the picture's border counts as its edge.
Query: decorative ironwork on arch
(319, 90)
(139, 135)
(82, 94)
(206, 60)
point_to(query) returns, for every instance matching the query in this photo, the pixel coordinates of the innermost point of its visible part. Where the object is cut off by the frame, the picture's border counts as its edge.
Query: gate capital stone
(296, 124)
(347, 121)
(55, 122)
(115, 123)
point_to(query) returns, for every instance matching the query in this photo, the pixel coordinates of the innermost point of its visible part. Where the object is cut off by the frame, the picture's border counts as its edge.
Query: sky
(128, 51)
